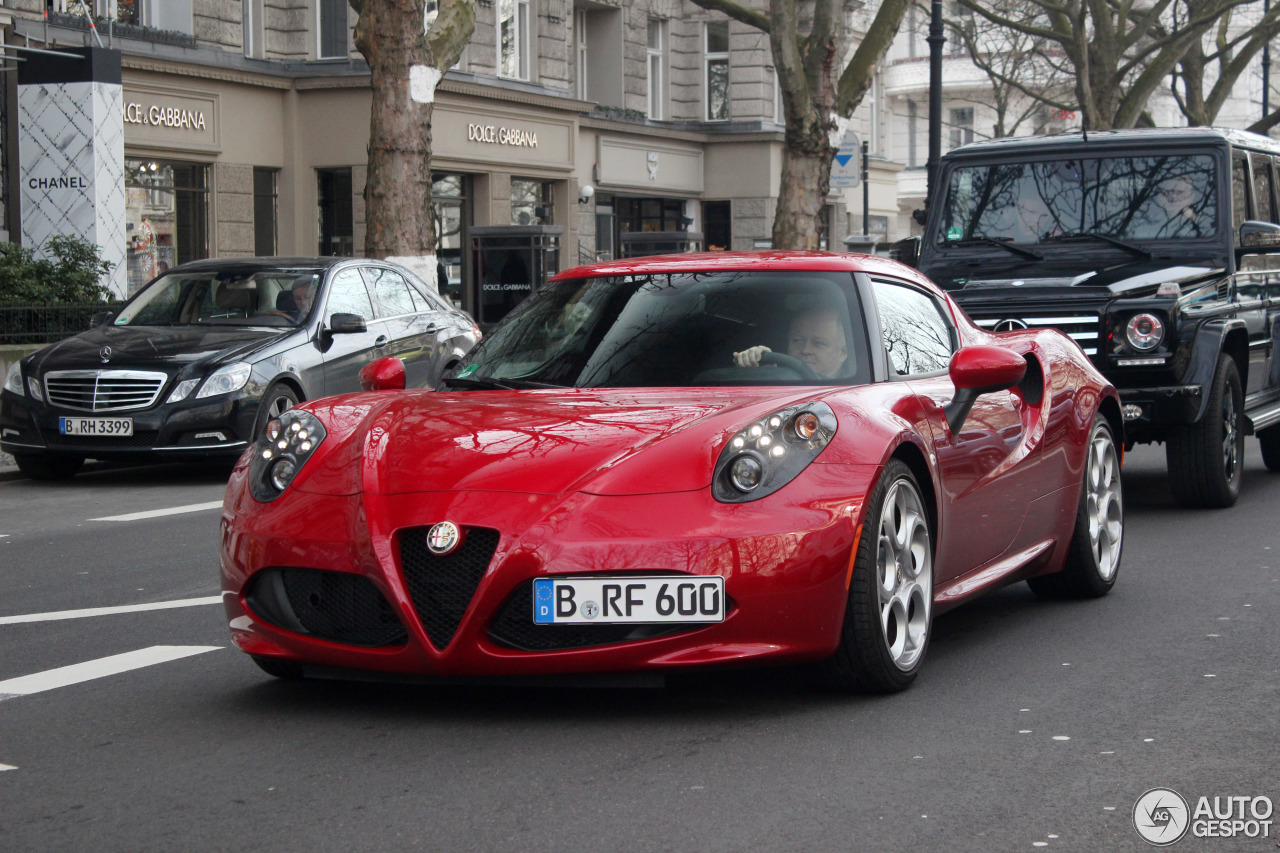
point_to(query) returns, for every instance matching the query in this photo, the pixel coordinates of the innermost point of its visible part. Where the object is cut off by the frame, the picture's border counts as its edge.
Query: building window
(657, 70)
(912, 158)
(332, 29)
(513, 39)
(264, 211)
(449, 196)
(172, 15)
(961, 126)
(530, 202)
(251, 27)
(717, 226)
(166, 217)
(580, 41)
(717, 72)
(337, 213)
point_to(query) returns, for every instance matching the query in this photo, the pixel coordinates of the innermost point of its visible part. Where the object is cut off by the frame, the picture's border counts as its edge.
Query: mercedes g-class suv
(1157, 251)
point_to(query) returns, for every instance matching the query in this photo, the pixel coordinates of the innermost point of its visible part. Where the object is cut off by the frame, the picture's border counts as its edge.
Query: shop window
(449, 198)
(337, 215)
(657, 91)
(513, 39)
(650, 214)
(531, 202)
(332, 29)
(717, 70)
(265, 211)
(166, 217)
(717, 225)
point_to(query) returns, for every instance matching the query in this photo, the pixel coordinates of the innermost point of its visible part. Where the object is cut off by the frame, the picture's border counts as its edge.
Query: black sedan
(195, 363)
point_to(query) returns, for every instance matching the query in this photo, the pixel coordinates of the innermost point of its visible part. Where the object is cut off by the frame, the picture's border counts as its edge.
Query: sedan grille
(335, 606)
(1081, 327)
(442, 586)
(103, 390)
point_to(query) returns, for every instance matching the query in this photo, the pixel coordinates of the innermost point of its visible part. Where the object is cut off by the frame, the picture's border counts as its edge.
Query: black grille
(515, 628)
(442, 586)
(140, 440)
(336, 606)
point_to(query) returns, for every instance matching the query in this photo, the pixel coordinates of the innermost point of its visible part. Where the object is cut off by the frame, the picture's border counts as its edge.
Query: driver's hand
(750, 357)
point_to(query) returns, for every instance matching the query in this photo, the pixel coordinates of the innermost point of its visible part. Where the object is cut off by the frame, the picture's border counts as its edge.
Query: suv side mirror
(1260, 236)
(346, 324)
(906, 251)
(980, 370)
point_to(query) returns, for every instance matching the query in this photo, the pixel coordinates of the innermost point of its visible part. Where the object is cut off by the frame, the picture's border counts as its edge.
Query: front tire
(1093, 557)
(889, 612)
(279, 399)
(1206, 459)
(1269, 441)
(49, 467)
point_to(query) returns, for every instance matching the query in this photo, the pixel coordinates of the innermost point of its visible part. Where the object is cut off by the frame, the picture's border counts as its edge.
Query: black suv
(1157, 251)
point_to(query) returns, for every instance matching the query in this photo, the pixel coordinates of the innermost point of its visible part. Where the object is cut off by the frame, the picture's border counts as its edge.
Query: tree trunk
(802, 194)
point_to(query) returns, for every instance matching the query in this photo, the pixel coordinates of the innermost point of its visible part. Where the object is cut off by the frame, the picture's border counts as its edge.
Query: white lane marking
(78, 672)
(4, 767)
(107, 611)
(156, 513)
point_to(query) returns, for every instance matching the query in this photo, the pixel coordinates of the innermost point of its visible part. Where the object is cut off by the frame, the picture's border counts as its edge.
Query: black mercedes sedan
(198, 360)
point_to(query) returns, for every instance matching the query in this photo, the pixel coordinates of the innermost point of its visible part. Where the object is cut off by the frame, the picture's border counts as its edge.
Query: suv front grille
(1081, 327)
(442, 586)
(103, 390)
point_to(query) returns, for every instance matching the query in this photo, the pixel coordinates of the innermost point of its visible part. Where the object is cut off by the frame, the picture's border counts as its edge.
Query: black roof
(1136, 137)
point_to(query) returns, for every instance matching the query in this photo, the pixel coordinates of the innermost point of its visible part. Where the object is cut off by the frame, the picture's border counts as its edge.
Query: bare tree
(409, 44)
(1120, 51)
(1226, 52)
(816, 97)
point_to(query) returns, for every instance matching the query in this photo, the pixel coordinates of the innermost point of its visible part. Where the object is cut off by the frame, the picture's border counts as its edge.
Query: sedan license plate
(672, 598)
(97, 427)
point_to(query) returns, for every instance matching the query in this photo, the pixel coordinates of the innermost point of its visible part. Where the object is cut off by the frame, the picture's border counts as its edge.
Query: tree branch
(738, 12)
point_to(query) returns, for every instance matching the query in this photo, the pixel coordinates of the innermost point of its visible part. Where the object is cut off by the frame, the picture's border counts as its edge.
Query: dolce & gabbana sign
(157, 116)
(495, 134)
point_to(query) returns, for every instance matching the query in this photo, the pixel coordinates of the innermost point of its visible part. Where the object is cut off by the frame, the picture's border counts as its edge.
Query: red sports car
(672, 462)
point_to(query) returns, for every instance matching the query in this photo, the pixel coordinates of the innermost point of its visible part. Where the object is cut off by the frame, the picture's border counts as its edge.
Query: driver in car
(815, 338)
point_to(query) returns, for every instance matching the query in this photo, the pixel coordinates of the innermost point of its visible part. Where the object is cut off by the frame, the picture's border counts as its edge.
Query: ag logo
(443, 538)
(1161, 816)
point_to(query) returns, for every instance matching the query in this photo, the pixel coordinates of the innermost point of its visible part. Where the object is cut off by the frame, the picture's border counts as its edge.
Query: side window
(918, 337)
(393, 292)
(1239, 190)
(348, 295)
(1262, 187)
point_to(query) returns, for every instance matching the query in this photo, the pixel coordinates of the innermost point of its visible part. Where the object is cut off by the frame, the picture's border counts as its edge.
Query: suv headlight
(280, 452)
(1144, 332)
(768, 453)
(13, 379)
(226, 379)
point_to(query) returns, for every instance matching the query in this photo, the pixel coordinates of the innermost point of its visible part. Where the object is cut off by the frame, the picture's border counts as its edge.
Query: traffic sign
(846, 169)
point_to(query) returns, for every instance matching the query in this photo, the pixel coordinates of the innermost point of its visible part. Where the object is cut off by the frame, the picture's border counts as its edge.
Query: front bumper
(785, 564)
(218, 428)
(1148, 412)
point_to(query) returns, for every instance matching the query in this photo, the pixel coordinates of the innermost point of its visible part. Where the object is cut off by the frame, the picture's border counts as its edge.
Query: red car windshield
(679, 329)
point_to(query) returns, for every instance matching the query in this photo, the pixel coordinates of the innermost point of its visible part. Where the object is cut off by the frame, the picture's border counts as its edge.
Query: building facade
(569, 131)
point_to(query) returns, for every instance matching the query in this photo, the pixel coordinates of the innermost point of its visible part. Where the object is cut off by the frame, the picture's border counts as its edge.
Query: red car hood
(609, 442)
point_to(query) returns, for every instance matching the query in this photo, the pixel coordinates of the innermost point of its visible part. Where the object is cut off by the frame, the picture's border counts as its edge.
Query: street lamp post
(936, 40)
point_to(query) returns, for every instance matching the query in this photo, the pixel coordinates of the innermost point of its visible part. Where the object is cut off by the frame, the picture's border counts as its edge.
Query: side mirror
(102, 318)
(980, 370)
(347, 324)
(383, 374)
(1260, 236)
(906, 251)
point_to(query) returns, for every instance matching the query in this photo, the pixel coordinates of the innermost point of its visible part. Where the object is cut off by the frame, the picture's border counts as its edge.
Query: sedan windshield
(678, 329)
(227, 297)
(1171, 197)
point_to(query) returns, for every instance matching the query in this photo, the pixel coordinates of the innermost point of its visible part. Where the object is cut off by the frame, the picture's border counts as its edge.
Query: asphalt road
(1034, 725)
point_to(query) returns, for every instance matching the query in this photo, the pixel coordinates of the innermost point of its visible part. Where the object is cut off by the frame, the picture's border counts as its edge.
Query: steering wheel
(794, 364)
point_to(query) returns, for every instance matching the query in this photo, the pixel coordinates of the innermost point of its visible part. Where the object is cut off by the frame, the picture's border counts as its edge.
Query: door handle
(381, 341)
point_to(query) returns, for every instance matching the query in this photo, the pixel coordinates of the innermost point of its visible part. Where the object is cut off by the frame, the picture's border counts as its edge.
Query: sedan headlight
(183, 388)
(13, 379)
(224, 380)
(280, 452)
(767, 454)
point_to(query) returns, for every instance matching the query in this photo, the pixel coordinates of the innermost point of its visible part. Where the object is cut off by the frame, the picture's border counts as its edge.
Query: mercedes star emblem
(105, 352)
(1010, 325)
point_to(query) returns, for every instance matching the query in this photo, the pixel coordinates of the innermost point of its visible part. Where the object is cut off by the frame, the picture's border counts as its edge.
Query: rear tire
(1206, 459)
(889, 612)
(1093, 557)
(278, 400)
(44, 467)
(284, 669)
(1269, 441)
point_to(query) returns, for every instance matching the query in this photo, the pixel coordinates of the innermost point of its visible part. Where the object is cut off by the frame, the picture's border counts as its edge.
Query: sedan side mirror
(906, 251)
(102, 318)
(383, 374)
(980, 370)
(346, 324)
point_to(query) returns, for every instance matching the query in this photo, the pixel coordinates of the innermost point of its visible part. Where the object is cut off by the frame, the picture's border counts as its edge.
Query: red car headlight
(280, 452)
(768, 453)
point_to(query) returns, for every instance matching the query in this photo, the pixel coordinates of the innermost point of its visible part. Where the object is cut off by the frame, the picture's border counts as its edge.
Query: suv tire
(1206, 459)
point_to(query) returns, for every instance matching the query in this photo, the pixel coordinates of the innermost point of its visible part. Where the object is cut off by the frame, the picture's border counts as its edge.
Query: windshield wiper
(1095, 235)
(491, 383)
(992, 241)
